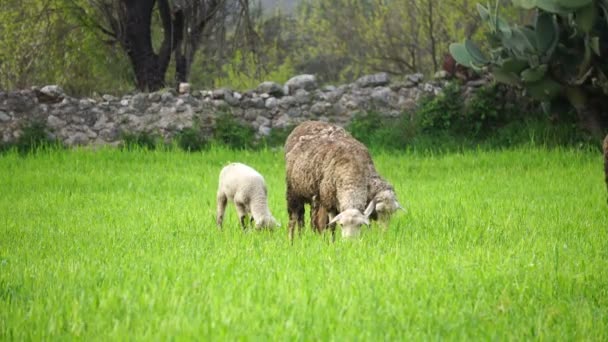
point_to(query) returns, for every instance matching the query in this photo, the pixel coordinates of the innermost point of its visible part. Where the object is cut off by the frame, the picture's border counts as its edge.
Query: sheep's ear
(335, 219)
(370, 208)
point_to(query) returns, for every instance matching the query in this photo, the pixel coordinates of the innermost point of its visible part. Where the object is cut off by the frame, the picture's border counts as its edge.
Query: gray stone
(375, 80)
(415, 78)
(282, 121)
(154, 97)
(406, 103)
(77, 138)
(167, 97)
(53, 91)
(271, 102)
(294, 112)
(85, 103)
(320, 108)
(383, 96)
(270, 88)
(54, 122)
(219, 94)
(109, 98)
(264, 131)
(4, 117)
(231, 99)
(139, 101)
(302, 97)
(124, 102)
(306, 82)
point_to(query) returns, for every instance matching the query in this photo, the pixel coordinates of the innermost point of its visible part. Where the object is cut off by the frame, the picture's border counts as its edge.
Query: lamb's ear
(370, 208)
(335, 219)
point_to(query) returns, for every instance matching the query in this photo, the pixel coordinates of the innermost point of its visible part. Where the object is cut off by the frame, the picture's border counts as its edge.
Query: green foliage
(45, 42)
(140, 140)
(191, 139)
(244, 72)
(33, 138)
(377, 131)
(559, 54)
(232, 133)
(448, 123)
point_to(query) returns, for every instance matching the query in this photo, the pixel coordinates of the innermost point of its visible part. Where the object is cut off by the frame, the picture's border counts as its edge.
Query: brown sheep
(333, 172)
(379, 189)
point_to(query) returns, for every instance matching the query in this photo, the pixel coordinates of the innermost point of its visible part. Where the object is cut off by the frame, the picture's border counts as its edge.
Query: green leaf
(585, 17)
(483, 12)
(576, 97)
(475, 52)
(572, 4)
(544, 90)
(460, 54)
(513, 65)
(595, 45)
(547, 33)
(534, 74)
(551, 6)
(505, 77)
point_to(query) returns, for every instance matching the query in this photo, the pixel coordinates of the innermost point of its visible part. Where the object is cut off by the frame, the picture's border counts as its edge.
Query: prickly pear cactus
(564, 50)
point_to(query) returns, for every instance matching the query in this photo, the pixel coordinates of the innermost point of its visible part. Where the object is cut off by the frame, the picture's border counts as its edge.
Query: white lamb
(245, 187)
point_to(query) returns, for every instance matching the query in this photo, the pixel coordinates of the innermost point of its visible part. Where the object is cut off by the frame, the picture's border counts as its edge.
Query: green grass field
(122, 245)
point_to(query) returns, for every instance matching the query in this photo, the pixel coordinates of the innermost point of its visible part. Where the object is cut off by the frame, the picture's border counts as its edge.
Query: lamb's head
(351, 220)
(386, 204)
(267, 221)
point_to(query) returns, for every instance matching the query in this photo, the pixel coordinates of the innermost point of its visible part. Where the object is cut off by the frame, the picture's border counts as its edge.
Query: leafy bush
(33, 137)
(145, 140)
(372, 129)
(232, 133)
(191, 139)
(441, 112)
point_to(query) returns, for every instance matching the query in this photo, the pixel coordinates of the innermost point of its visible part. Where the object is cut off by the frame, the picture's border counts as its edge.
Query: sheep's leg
(241, 210)
(221, 208)
(295, 209)
(332, 227)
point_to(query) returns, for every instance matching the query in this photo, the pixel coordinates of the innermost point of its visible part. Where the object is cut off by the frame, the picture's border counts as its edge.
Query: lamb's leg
(241, 210)
(221, 208)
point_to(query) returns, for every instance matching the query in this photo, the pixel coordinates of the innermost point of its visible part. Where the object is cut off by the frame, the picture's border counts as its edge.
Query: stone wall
(103, 120)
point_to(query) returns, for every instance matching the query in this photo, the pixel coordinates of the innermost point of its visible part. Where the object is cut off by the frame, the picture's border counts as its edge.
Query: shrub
(233, 134)
(378, 131)
(33, 137)
(191, 139)
(145, 140)
(441, 112)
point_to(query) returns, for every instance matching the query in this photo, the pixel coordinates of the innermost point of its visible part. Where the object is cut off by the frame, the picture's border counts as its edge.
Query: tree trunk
(138, 45)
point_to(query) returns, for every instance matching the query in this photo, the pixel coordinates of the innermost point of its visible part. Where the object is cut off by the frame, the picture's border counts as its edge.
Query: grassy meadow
(122, 245)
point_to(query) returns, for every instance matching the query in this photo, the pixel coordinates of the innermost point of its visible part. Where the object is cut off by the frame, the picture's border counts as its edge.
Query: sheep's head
(351, 220)
(267, 222)
(386, 204)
